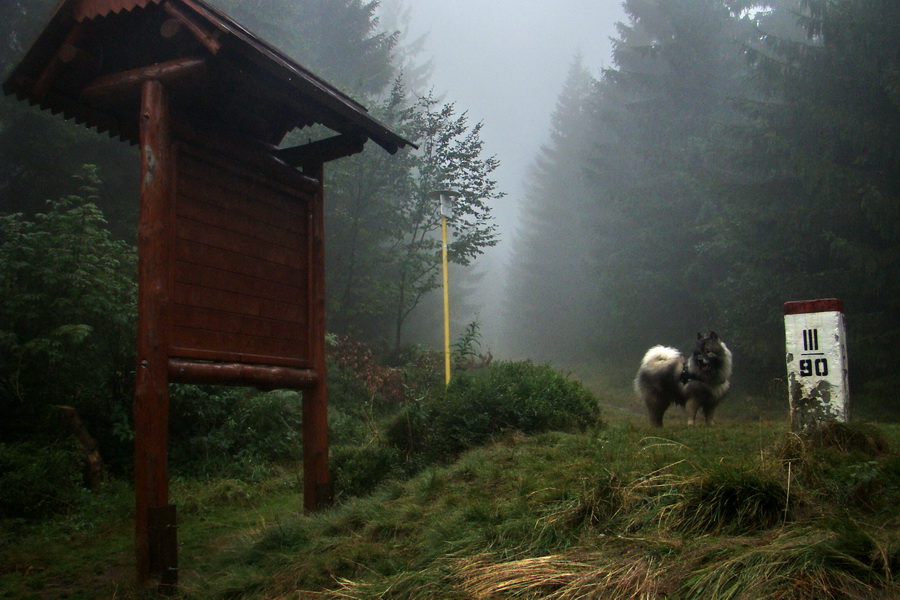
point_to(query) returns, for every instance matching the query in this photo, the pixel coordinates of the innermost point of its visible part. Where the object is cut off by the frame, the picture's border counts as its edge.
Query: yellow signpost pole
(446, 199)
(446, 299)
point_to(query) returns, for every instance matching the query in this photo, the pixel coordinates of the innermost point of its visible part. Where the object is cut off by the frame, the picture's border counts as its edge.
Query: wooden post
(317, 490)
(151, 396)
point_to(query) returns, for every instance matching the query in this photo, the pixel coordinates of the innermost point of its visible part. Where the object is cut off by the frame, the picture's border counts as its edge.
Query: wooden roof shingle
(90, 59)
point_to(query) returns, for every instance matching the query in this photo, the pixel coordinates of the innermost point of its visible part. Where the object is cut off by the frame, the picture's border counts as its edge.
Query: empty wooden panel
(240, 264)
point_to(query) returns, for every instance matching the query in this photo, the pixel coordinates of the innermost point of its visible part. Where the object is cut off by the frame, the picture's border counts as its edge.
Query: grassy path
(671, 512)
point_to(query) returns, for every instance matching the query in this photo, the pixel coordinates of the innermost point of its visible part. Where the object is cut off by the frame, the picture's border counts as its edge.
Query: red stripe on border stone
(813, 306)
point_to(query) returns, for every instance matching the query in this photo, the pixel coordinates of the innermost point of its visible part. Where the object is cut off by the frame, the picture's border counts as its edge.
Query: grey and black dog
(697, 382)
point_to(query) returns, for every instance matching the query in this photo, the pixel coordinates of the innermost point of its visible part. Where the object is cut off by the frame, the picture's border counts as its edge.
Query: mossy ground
(622, 510)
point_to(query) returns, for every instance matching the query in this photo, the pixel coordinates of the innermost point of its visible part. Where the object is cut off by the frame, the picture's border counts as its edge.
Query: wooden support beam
(261, 376)
(168, 73)
(69, 54)
(324, 150)
(86, 444)
(151, 395)
(208, 40)
(251, 153)
(163, 527)
(308, 102)
(317, 489)
(62, 57)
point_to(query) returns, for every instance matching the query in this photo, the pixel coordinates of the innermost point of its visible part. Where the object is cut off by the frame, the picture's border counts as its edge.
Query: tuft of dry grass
(731, 502)
(798, 564)
(709, 496)
(598, 504)
(561, 577)
(863, 438)
(804, 563)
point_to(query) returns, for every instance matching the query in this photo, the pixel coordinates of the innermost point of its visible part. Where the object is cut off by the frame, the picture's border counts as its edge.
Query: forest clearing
(175, 335)
(743, 509)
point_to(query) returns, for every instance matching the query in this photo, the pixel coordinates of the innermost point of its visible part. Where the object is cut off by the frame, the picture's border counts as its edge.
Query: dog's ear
(713, 336)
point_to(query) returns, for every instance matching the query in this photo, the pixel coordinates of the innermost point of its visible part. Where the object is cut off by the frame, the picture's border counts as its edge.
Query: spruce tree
(550, 285)
(823, 159)
(668, 98)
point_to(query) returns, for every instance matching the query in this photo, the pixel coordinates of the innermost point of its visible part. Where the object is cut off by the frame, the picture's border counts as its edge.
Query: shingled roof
(89, 62)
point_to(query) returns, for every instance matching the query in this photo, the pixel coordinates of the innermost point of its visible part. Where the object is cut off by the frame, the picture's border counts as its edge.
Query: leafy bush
(347, 428)
(355, 359)
(358, 470)
(466, 353)
(423, 373)
(67, 319)
(506, 396)
(36, 479)
(237, 432)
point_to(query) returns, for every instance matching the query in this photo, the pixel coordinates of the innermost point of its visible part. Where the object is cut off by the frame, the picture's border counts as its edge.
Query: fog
(666, 199)
(505, 62)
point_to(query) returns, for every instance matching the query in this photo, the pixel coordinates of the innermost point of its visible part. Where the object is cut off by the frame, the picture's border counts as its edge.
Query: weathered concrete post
(816, 350)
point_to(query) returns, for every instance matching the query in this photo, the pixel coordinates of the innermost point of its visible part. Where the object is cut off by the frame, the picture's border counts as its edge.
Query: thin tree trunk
(400, 317)
(93, 461)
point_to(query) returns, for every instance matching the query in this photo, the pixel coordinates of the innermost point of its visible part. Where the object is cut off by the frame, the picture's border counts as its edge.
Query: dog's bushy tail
(660, 359)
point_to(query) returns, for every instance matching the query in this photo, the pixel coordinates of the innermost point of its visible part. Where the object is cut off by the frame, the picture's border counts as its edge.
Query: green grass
(85, 553)
(741, 510)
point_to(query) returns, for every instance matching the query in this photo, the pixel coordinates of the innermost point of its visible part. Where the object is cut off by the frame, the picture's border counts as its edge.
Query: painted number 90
(819, 367)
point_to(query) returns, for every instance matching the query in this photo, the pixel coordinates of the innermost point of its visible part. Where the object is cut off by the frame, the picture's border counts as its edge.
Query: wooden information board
(231, 238)
(239, 263)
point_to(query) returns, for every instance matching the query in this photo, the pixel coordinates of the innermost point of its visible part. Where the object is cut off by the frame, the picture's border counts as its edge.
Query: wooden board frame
(218, 92)
(231, 291)
(239, 264)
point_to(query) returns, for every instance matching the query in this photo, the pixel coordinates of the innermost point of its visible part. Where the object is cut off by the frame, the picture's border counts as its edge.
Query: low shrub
(855, 437)
(358, 470)
(200, 497)
(347, 428)
(37, 479)
(507, 396)
(357, 378)
(235, 432)
(731, 501)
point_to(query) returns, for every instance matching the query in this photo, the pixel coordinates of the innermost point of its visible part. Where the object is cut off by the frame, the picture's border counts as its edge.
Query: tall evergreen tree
(825, 157)
(341, 40)
(409, 52)
(665, 102)
(550, 286)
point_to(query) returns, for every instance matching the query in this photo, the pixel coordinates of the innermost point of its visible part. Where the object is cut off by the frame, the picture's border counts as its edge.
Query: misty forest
(732, 156)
